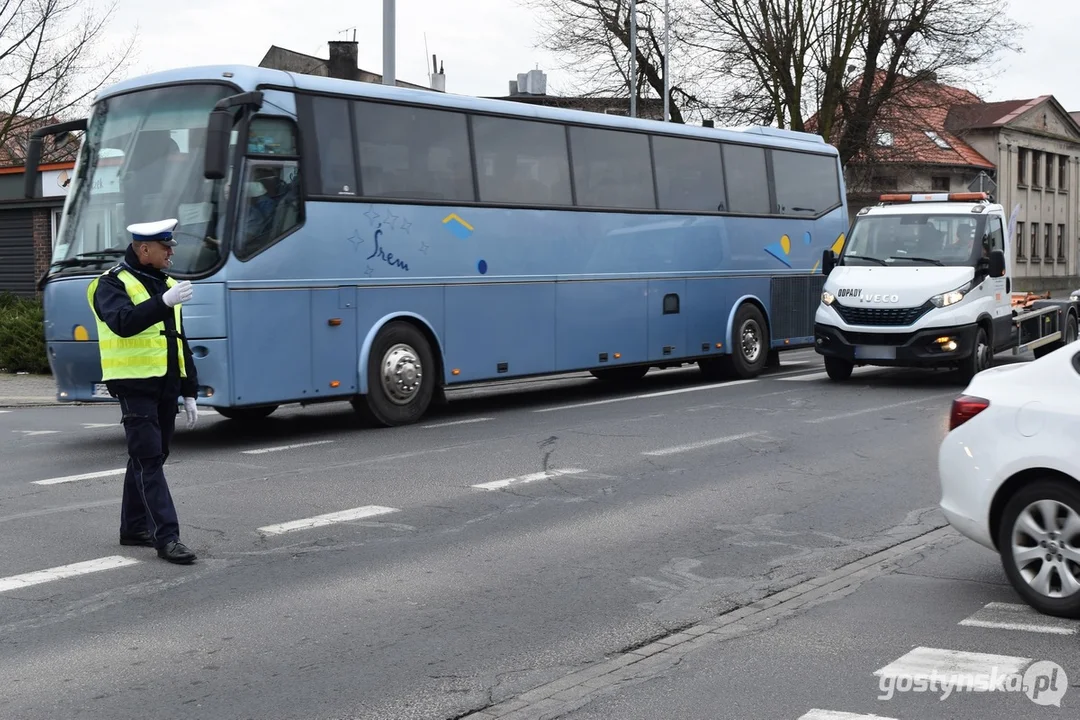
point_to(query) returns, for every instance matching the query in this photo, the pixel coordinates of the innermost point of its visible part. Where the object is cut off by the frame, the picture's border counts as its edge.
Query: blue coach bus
(354, 241)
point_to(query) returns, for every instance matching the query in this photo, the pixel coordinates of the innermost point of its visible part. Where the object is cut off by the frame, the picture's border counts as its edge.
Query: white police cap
(158, 231)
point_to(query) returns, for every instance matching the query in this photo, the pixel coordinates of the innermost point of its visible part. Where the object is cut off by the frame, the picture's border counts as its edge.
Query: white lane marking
(864, 411)
(31, 433)
(4, 411)
(17, 582)
(532, 477)
(701, 444)
(92, 426)
(922, 662)
(820, 375)
(328, 519)
(697, 388)
(1012, 616)
(263, 451)
(458, 422)
(84, 476)
(816, 714)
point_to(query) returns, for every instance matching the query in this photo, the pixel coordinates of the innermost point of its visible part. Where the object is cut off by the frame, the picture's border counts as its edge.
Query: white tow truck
(926, 281)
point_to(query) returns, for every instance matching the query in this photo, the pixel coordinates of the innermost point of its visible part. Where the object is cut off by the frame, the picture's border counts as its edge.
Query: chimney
(343, 59)
(533, 82)
(438, 76)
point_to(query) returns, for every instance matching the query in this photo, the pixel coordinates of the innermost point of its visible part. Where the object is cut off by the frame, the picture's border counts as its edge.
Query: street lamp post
(389, 71)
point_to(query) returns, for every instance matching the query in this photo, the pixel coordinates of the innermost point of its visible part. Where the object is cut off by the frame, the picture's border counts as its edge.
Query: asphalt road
(518, 536)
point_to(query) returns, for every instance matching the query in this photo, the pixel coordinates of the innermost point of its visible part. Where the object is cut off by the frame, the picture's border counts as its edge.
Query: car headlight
(827, 297)
(952, 297)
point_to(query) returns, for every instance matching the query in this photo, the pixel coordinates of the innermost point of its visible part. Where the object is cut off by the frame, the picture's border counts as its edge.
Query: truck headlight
(827, 297)
(952, 297)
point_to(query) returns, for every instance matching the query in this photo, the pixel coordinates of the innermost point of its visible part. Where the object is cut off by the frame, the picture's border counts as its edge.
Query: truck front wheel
(838, 369)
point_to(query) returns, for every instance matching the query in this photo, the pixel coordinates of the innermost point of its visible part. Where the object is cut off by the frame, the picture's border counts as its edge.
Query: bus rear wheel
(401, 376)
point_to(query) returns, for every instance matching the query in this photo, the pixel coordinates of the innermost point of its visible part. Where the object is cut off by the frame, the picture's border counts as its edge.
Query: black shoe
(140, 538)
(176, 552)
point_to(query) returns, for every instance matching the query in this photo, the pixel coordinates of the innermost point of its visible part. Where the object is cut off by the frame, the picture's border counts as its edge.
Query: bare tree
(50, 68)
(593, 38)
(833, 66)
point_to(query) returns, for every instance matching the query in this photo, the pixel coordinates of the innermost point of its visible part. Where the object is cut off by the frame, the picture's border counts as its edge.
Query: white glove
(179, 293)
(192, 412)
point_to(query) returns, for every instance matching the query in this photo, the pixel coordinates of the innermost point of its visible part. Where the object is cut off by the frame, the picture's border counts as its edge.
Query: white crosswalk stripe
(1023, 618)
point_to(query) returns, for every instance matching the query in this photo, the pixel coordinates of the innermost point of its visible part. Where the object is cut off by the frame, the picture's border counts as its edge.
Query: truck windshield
(905, 240)
(141, 161)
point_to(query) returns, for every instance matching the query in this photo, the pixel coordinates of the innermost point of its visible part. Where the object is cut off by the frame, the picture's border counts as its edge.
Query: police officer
(146, 364)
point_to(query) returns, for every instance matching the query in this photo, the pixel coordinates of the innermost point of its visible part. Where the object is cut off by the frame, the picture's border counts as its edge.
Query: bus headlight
(827, 297)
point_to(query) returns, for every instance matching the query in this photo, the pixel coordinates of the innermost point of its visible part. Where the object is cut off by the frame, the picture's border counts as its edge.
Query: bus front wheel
(750, 342)
(401, 376)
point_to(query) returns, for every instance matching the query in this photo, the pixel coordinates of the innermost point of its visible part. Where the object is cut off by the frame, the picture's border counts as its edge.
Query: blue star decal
(424, 247)
(372, 216)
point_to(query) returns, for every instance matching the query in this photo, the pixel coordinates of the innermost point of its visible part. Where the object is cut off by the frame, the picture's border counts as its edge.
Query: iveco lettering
(925, 281)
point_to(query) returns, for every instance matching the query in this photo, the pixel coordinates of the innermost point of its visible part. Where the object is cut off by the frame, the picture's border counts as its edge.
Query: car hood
(907, 286)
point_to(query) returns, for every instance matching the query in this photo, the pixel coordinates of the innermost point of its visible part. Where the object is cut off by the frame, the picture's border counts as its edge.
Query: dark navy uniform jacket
(126, 319)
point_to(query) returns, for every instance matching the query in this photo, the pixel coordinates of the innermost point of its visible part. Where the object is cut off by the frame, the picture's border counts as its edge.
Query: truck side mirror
(828, 261)
(997, 263)
(218, 134)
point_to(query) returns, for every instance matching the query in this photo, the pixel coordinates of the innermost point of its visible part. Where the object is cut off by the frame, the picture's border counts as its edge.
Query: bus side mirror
(997, 263)
(828, 261)
(218, 134)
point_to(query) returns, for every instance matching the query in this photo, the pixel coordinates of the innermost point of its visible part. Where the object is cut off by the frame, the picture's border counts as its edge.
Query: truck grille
(891, 317)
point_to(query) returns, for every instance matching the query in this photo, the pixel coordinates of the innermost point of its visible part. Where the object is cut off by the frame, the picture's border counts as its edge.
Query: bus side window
(271, 205)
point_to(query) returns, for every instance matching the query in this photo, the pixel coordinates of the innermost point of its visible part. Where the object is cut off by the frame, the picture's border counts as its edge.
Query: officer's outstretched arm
(124, 317)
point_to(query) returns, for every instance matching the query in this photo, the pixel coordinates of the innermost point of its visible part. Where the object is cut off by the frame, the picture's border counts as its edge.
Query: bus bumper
(929, 347)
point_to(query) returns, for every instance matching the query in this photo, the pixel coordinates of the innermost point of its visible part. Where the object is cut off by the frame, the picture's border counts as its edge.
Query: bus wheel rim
(402, 374)
(751, 341)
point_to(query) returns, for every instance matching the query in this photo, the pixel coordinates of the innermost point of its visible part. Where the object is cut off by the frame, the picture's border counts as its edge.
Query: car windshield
(142, 161)
(905, 240)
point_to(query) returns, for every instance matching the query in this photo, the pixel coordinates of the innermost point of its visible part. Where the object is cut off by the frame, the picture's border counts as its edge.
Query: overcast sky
(484, 43)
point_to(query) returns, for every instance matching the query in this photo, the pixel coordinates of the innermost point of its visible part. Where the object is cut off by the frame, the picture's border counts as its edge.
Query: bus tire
(401, 375)
(248, 414)
(749, 342)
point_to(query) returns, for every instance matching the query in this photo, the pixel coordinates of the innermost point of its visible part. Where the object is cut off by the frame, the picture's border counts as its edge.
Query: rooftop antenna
(346, 31)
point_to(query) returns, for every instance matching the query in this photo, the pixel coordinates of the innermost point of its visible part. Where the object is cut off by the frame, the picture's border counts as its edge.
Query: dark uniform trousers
(149, 423)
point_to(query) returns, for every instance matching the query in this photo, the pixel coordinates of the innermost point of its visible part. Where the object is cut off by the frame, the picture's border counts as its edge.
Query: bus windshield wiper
(932, 261)
(88, 258)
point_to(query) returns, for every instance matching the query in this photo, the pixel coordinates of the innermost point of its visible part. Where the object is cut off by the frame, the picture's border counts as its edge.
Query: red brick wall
(42, 241)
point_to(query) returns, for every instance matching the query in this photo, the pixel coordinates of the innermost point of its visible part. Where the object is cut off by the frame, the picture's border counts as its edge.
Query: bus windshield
(906, 240)
(142, 161)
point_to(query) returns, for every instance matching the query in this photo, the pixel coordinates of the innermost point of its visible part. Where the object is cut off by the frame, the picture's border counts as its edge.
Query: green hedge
(22, 335)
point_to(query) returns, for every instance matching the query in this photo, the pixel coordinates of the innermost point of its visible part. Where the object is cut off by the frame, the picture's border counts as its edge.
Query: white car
(1010, 474)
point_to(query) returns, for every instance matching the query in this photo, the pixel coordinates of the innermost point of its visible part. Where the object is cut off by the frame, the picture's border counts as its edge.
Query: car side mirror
(828, 261)
(997, 264)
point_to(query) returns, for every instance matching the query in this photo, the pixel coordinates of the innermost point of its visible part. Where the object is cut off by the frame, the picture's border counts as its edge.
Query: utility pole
(667, 54)
(633, 58)
(389, 71)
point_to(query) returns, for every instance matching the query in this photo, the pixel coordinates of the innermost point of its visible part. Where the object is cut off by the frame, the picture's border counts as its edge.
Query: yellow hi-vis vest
(141, 356)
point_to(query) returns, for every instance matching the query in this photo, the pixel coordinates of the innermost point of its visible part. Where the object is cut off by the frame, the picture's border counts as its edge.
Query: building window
(885, 182)
(1036, 169)
(57, 214)
(1021, 166)
(1061, 243)
(1018, 241)
(939, 184)
(1048, 246)
(1050, 165)
(885, 138)
(1063, 172)
(1035, 242)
